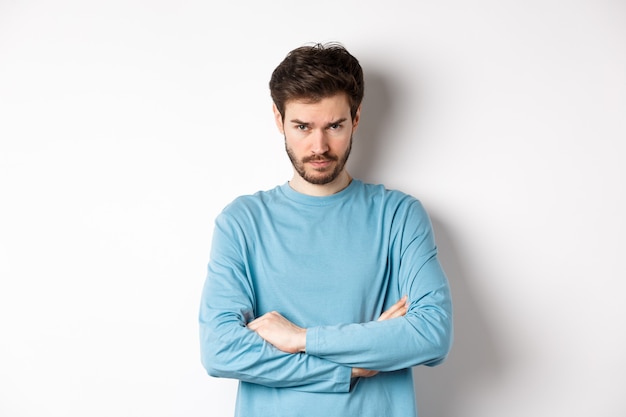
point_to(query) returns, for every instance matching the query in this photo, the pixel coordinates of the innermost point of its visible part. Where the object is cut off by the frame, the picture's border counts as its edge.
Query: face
(318, 137)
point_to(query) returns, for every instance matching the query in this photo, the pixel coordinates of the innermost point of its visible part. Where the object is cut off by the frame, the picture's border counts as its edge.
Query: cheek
(341, 144)
(295, 145)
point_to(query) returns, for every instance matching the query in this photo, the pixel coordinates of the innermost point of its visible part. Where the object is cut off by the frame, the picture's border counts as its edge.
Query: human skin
(290, 338)
(318, 137)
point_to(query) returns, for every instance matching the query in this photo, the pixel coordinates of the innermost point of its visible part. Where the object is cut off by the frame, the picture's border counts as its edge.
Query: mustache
(317, 158)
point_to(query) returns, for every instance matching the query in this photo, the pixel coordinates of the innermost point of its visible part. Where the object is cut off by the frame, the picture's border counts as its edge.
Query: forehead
(334, 106)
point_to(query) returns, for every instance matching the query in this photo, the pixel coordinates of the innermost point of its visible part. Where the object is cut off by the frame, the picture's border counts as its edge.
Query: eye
(335, 126)
(301, 127)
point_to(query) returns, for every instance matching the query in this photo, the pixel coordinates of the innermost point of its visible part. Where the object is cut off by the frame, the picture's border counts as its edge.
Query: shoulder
(250, 205)
(390, 197)
(401, 211)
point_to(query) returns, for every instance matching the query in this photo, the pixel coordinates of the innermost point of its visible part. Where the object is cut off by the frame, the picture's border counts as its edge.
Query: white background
(126, 126)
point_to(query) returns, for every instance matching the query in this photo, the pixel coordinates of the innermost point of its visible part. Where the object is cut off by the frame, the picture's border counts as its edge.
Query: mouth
(320, 163)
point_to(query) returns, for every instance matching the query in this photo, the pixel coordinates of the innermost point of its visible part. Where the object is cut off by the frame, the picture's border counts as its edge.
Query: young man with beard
(323, 292)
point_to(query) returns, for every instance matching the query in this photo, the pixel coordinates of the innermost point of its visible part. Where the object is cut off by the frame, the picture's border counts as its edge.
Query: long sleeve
(423, 335)
(331, 265)
(228, 348)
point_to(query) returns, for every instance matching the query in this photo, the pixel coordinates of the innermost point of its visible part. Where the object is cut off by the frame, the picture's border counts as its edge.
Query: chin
(320, 179)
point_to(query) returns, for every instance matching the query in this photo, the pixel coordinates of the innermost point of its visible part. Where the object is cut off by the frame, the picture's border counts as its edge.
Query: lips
(320, 163)
(318, 159)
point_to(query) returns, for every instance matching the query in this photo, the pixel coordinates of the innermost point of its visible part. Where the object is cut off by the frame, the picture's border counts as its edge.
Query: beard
(321, 178)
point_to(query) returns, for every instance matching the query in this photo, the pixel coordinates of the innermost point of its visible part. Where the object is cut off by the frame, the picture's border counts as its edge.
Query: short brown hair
(316, 72)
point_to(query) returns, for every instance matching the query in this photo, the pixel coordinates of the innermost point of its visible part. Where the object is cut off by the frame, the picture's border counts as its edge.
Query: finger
(399, 309)
(268, 317)
(363, 373)
(398, 313)
(256, 323)
(253, 325)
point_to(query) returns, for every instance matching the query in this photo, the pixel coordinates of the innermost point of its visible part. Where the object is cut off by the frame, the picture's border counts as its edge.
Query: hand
(362, 373)
(399, 309)
(280, 332)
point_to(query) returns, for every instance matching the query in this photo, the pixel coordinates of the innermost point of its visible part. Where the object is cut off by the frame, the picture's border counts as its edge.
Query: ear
(278, 119)
(357, 119)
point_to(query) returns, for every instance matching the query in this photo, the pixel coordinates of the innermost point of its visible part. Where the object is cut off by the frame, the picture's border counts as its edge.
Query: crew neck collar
(318, 200)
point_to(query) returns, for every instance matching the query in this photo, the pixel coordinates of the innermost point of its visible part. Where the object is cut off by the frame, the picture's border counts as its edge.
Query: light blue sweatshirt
(332, 265)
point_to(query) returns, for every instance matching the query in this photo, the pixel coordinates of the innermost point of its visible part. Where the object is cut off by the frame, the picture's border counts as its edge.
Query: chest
(322, 270)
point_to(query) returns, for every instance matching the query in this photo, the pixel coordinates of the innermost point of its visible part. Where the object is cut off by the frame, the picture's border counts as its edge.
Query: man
(323, 292)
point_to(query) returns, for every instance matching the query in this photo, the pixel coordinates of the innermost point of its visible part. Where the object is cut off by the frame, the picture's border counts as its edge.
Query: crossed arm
(290, 338)
(234, 344)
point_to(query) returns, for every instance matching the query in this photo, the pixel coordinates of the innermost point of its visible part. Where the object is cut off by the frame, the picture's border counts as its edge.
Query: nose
(319, 144)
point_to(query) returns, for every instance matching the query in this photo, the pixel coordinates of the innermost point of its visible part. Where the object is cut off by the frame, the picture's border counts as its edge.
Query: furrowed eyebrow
(336, 122)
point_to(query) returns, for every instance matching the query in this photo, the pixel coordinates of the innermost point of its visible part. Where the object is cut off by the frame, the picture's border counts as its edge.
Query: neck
(320, 190)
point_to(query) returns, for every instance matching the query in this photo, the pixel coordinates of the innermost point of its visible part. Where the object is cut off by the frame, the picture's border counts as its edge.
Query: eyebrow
(336, 122)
